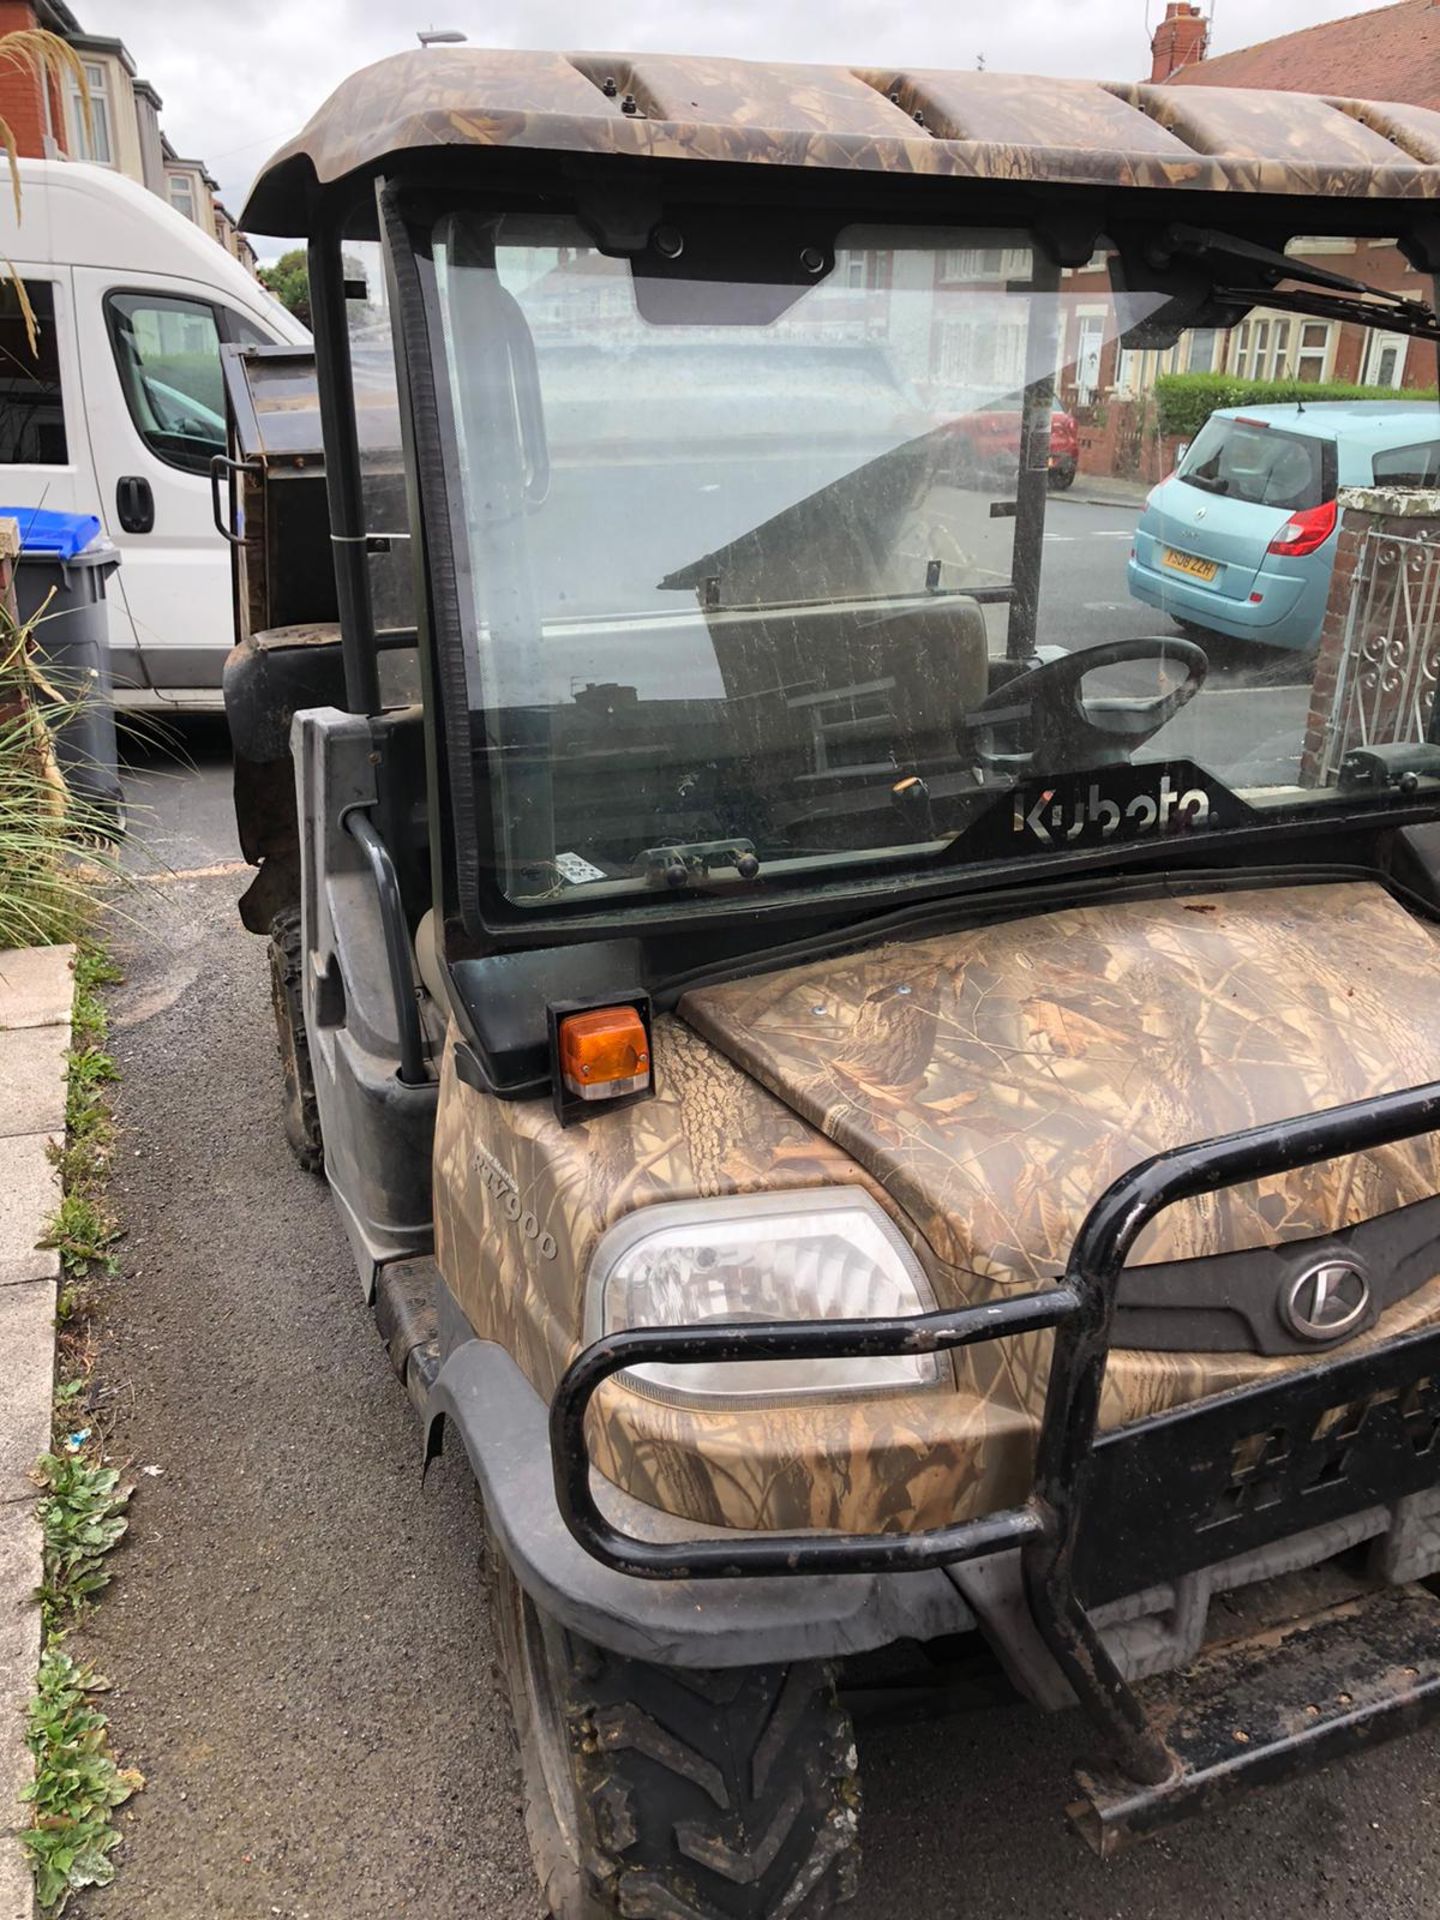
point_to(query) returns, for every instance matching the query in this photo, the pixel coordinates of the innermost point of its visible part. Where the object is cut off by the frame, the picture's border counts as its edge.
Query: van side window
(32, 418)
(1417, 466)
(244, 332)
(167, 353)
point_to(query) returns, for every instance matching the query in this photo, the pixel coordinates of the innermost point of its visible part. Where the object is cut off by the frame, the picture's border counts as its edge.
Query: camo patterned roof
(916, 121)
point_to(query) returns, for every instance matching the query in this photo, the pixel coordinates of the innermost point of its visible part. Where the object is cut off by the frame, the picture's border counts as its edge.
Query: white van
(120, 409)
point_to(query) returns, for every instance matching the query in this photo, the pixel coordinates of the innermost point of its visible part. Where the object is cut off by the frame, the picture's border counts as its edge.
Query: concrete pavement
(1106, 490)
(36, 988)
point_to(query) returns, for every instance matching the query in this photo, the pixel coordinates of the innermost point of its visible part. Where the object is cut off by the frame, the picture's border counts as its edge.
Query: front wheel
(655, 1791)
(1061, 478)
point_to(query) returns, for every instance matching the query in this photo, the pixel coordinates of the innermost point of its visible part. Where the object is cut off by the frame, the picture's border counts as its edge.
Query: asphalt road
(298, 1633)
(1083, 598)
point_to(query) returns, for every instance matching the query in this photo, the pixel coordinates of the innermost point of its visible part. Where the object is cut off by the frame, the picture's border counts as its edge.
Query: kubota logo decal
(1051, 819)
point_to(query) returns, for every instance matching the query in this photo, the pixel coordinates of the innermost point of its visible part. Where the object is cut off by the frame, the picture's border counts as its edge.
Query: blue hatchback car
(1240, 539)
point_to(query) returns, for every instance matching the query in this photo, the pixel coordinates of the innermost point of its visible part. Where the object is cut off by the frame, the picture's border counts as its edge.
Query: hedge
(1185, 401)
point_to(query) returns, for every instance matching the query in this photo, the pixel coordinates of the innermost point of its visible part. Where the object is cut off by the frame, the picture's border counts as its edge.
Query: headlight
(827, 1255)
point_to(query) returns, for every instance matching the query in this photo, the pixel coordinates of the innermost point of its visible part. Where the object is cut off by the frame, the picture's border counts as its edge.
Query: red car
(987, 445)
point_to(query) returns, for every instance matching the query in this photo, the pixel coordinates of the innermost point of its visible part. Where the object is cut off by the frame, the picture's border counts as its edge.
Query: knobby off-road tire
(302, 1116)
(665, 1795)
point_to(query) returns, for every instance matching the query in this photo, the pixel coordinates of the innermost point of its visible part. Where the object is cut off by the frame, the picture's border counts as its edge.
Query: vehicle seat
(817, 691)
(427, 961)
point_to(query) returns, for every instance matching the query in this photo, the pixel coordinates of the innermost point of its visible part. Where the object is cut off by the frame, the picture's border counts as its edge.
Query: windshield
(872, 557)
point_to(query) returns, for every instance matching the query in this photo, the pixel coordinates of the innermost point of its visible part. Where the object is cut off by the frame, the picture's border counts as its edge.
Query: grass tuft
(77, 1784)
(83, 1228)
(56, 846)
(84, 1231)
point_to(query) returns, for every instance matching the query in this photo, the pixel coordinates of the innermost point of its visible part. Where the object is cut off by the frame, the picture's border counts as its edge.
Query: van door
(155, 405)
(44, 446)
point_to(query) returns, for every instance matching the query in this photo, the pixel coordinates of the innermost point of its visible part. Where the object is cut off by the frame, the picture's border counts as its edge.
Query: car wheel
(1061, 478)
(651, 1790)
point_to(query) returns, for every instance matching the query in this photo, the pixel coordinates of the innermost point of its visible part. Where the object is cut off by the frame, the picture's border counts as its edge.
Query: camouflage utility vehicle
(888, 1107)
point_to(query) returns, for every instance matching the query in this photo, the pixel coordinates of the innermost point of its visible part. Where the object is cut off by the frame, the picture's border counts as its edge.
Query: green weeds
(82, 1505)
(83, 1227)
(77, 1784)
(82, 1516)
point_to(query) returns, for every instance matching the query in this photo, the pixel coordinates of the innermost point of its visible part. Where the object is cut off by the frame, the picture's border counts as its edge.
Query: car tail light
(1305, 531)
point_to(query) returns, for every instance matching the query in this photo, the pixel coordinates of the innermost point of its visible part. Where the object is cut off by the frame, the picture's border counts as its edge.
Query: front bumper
(724, 1623)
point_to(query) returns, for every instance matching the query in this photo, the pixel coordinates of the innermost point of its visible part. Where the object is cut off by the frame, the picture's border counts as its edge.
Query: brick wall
(1118, 438)
(22, 90)
(1367, 514)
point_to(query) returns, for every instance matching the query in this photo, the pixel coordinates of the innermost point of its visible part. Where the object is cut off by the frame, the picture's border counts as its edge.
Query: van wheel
(302, 1115)
(677, 1795)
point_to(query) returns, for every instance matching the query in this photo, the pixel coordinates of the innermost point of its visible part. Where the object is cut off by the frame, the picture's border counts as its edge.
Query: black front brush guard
(1080, 1310)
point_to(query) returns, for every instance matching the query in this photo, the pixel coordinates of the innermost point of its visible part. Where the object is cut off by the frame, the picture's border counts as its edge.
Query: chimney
(1181, 39)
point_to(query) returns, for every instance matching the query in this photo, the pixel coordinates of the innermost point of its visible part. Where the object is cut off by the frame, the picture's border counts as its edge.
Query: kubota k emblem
(1050, 819)
(1326, 1301)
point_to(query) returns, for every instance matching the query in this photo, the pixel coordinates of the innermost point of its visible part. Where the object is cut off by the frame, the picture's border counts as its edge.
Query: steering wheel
(1047, 725)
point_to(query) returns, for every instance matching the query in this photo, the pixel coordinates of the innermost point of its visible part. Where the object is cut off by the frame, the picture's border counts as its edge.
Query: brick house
(1390, 54)
(47, 116)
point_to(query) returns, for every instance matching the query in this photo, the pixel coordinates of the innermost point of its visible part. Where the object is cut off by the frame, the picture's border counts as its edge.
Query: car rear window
(1417, 466)
(1268, 466)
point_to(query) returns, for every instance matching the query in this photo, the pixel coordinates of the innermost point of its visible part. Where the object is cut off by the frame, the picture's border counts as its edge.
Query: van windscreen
(1267, 466)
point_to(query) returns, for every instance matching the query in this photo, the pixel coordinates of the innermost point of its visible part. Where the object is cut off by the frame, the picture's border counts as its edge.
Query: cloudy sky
(237, 79)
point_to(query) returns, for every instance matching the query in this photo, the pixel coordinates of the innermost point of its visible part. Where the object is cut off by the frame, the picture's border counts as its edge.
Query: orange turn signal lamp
(602, 1055)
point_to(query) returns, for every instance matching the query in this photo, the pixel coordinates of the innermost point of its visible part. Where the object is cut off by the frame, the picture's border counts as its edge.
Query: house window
(1203, 343)
(182, 195)
(1241, 352)
(851, 265)
(91, 142)
(983, 357)
(32, 418)
(985, 263)
(1313, 354)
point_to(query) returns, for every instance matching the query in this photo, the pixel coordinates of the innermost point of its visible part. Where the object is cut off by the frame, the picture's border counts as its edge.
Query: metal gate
(1390, 663)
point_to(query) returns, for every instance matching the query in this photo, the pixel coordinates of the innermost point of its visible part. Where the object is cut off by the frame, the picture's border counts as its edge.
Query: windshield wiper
(1342, 298)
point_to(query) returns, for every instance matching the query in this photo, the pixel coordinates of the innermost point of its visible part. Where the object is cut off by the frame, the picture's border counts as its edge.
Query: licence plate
(1189, 563)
